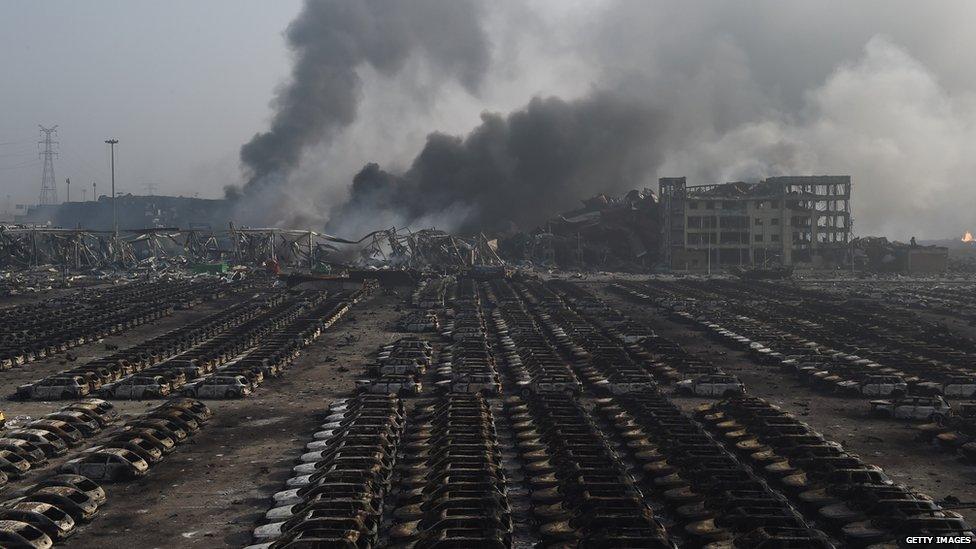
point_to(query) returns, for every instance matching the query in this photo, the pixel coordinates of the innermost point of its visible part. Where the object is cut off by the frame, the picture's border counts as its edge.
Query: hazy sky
(181, 84)
(882, 90)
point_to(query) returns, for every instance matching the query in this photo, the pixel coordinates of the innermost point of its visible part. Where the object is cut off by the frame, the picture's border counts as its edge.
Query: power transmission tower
(49, 189)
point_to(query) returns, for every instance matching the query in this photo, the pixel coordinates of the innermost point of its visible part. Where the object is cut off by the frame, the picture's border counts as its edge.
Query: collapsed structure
(427, 248)
(779, 220)
(765, 226)
(617, 233)
(878, 254)
(24, 247)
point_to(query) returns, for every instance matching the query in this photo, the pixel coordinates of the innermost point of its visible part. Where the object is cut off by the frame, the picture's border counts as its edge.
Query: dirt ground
(211, 491)
(887, 443)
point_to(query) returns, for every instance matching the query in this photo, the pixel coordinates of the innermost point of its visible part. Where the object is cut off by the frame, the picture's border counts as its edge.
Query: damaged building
(607, 232)
(776, 221)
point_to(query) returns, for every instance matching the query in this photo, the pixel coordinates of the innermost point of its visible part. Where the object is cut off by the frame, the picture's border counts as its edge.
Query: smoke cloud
(886, 120)
(512, 170)
(625, 92)
(332, 41)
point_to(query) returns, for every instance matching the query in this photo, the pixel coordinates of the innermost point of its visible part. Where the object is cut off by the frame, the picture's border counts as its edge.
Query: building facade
(777, 221)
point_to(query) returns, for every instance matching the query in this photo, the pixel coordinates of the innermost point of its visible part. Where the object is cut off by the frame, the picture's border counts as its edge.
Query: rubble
(879, 254)
(615, 233)
(427, 249)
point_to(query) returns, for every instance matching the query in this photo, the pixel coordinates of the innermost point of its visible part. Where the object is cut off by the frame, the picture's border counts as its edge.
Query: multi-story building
(780, 220)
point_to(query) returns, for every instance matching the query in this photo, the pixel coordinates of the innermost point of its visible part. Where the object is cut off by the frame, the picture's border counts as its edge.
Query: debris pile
(878, 254)
(618, 233)
(427, 249)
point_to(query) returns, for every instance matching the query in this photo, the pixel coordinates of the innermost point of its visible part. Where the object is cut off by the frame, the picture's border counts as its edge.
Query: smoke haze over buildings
(481, 114)
(712, 91)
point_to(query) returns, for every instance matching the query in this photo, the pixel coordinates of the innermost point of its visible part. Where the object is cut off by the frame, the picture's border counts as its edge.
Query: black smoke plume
(331, 40)
(512, 170)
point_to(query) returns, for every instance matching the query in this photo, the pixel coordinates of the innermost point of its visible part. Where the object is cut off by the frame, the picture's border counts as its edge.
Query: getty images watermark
(938, 540)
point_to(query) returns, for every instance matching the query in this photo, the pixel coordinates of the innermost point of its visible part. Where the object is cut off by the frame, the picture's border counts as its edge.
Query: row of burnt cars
(419, 321)
(24, 446)
(610, 336)
(51, 510)
(451, 481)
(944, 298)
(625, 470)
(860, 353)
(715, 502)
(431, 293)
(464, 364)
(849, 498)
(712, 498)
(377, 475)
(757, 474)
(833, 371)
(467, 363)
(580, 492)
(34, 331)
(224, 355)
(399, 367)
(913, 388)
(602, 478)
(336, 493)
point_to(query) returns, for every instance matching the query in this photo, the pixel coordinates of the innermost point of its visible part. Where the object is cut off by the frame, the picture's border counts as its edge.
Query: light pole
(67, 182)
(115, 210)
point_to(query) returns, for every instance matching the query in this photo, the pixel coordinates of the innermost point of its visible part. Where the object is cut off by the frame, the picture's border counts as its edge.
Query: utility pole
(49, 189)
(67, 182)
(115, 210)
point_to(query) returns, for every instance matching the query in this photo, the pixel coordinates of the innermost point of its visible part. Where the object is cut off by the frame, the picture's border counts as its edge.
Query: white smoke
(885, 120)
